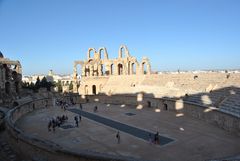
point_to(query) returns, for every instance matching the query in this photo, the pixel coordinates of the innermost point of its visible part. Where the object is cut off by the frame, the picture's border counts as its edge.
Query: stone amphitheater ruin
(197, 115)
(10, 79)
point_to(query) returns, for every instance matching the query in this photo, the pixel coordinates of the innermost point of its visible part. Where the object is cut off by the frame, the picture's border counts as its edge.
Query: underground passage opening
(165, 107)
(94, 89)
(148, 104)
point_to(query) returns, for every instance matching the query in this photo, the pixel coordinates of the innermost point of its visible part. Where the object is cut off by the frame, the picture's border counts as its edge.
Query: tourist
(80, 105)
(76, 120)
(95, 109)
(156, 138)
(53, 124)
(118, 137)
(49, 125)
(80, 118)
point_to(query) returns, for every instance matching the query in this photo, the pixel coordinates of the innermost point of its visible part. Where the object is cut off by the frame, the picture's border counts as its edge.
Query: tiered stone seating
(206, 89)
(231, 105)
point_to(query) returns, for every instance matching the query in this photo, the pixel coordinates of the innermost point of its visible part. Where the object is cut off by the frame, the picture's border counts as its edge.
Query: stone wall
(10, 79)
(161, 85)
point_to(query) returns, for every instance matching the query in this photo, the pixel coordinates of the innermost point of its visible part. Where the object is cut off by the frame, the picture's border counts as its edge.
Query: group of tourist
(71, 101)
(56, 122)
(63, 104)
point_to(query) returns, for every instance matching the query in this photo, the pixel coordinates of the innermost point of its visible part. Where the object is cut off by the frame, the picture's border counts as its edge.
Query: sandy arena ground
(194, 140)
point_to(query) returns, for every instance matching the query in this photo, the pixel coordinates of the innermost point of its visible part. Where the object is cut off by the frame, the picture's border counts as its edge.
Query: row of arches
(92, 89)
(94, 66)
(130, 68)
(98, 54)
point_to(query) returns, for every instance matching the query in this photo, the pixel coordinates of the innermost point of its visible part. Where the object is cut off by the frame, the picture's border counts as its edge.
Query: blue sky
(185, 35)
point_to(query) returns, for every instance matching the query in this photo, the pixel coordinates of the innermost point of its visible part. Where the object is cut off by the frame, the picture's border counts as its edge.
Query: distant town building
(65, 80)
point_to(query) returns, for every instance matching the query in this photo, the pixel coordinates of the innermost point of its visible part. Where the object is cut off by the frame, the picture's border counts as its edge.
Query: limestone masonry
(10, 78)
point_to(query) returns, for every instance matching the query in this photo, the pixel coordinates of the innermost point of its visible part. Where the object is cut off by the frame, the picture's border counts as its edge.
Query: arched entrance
(165, 107)
(94, 90)
(149, 104)
(120, 69)
(133, 68)
(144, 68)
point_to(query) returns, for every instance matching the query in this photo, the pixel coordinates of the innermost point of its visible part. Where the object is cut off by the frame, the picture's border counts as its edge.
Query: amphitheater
(197, 115)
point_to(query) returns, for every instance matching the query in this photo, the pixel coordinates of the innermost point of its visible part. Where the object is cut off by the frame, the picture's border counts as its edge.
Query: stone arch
(120, 69)
(133, 68)
(149, 104)
(120, 51)
(105, 53)
(145, 66)
(94, 90)
(75, 69)
(165, 106)
(89, 53)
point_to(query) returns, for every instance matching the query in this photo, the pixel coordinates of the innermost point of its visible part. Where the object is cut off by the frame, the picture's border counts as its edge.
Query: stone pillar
(148, 69)
(83, 71)
(125, 68)
(100, 72)
(91, 71)
(75, 74)
(130, 68)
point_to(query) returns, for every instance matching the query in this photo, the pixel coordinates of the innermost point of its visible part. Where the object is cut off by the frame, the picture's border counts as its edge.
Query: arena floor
(189, 139)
